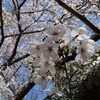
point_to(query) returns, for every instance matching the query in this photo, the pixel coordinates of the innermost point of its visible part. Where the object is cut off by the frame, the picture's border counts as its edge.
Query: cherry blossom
(64, 40)
(36, 48)
(56, 32)
(80, 33)
(50, 51)
(41, 80)
(86, 49)
(37, 60)
(47, 65)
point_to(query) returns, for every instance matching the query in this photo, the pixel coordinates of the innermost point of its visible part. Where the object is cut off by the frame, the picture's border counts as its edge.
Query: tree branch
(81, 17)
(89, 88)
(25, 33)
(14, 50)
(22, 3)
(24, 91)
(14, 61)
(1, 20)
(95, 37)
(18, 38)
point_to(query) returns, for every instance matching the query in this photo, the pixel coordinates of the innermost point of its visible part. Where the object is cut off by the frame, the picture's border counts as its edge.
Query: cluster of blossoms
(86, 49)
(45, 51)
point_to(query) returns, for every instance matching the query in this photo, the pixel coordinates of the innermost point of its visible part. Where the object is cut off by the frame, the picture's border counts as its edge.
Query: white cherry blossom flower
(37, 60)
(86, 49)
(47, 65)
(89, 41)
(48, 41)
(36, 48)
(64, 41)
(80, 33)
(50, 51)
(56, 32)
(41, 80)
(93, 8)
(82, 30)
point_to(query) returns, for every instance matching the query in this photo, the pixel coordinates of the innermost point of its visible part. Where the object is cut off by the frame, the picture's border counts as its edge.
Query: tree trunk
(24, 91)
(90, 87)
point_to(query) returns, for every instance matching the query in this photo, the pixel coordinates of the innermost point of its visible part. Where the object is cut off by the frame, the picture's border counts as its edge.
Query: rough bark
(24, 91)
(89, 89)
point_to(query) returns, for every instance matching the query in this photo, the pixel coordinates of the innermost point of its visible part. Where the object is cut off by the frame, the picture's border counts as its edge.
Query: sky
(36, 93)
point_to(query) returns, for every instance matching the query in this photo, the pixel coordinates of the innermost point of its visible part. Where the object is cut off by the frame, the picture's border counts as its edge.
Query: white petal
(82, 30)
(48, 41)
(59, 93)
(60, 29)
(50, 30)
(43, 84)
(98, 58)
(85, 56)
(74, 33)
(54, 55)
(37, 60)
(52, 70)
(90, 47)
(91, 41)
(46, 54)
(37, 79)
(43, 70)
(79, 50)
(55, 38)
(55, 46)
(79, 38)
(32, 50)
(85, 36)
(50, 92)
(56, 28)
